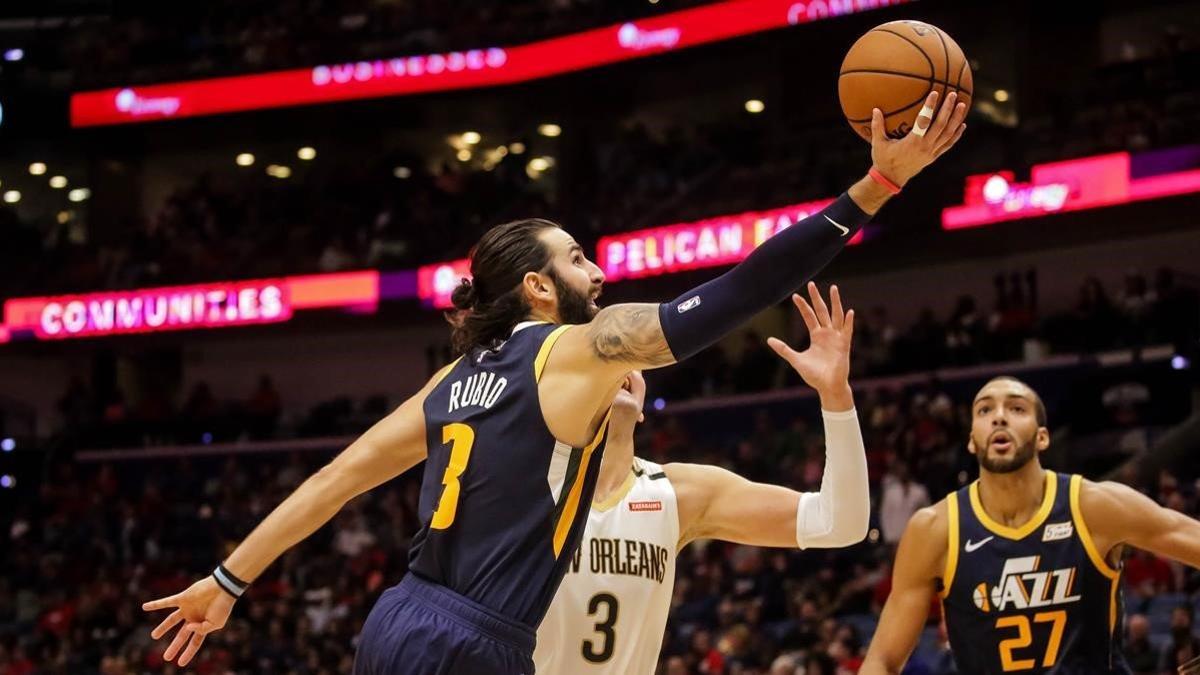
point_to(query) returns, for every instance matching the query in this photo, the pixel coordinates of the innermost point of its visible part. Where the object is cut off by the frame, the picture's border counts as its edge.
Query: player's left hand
(202, 609)
(825, 365)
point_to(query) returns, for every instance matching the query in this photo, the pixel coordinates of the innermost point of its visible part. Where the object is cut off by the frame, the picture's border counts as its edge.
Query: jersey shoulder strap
(952, 543)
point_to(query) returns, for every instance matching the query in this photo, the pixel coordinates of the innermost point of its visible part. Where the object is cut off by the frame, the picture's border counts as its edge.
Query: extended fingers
(942, 120)
(161, 603)
(925, 116)
(193, 647)
(835, 299)
(806, 312)
(819, 306)
(958, 133)
(181, 639)
(780, 347)
(167, 624)
(878, 132)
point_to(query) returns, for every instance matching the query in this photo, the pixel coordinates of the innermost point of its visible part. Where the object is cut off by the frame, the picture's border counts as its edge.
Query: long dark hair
(491, 303)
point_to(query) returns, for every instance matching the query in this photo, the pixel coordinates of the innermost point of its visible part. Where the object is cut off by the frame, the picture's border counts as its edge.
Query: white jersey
(610, 613)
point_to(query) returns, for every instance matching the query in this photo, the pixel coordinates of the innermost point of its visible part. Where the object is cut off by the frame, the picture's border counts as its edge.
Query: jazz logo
(1023, 586)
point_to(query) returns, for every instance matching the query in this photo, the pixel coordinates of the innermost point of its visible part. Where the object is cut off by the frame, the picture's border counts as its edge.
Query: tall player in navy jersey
(1026, 561)
(513, 431)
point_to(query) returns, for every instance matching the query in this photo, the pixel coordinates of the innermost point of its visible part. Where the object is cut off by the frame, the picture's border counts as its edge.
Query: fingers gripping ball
(894, 67)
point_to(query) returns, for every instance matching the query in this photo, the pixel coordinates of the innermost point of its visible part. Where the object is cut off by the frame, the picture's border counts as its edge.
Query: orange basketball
(894, 67)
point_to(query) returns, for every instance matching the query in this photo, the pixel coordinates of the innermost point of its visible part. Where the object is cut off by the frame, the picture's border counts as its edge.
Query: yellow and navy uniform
(503, 503)
(1035, 599)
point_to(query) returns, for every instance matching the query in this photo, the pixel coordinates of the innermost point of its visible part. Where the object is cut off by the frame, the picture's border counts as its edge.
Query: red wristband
(883, 180)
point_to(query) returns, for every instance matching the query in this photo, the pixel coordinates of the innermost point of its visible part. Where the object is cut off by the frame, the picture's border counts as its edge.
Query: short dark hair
(1039, 407)
(491, 303)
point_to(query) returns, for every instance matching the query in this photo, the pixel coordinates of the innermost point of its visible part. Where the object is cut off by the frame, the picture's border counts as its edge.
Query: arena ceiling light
(402, 172)
(58, 182)
(755, 106)
(244, 159)
(79, 194)
(279, 171)
(471, 137)
(1001, 95)
(12, 196)
(516, 148)
(307, 153)
(464, 155)
(37, 168)
(550, 130)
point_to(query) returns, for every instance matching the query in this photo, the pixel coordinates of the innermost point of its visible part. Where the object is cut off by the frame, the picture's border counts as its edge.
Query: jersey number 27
(1057, 620)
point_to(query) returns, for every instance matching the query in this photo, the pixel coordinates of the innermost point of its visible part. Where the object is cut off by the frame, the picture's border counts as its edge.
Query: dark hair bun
(464, 295)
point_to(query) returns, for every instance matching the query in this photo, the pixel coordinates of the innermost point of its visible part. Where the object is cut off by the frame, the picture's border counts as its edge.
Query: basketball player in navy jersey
(1026, 561)
(513, 431)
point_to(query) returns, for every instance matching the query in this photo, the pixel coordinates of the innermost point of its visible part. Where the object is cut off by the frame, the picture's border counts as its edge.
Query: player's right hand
(202, 609)
(900, 160)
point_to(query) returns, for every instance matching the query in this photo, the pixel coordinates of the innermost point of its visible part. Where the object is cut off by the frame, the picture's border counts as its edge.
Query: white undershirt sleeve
(840, 513)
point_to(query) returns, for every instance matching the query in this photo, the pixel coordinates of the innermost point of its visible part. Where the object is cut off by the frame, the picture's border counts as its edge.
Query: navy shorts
(420, 628)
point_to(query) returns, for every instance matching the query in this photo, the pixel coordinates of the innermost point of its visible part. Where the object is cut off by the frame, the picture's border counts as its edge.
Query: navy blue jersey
(501, 499)
(1035, 599)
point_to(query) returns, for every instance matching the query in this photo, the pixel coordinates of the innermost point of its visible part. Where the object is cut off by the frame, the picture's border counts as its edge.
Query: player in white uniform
(610, 612)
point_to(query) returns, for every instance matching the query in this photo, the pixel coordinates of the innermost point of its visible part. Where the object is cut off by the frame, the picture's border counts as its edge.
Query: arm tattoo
(630, 332)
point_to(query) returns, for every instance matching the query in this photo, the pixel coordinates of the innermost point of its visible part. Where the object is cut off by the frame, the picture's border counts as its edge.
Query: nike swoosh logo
(844, 230)
(971, 546)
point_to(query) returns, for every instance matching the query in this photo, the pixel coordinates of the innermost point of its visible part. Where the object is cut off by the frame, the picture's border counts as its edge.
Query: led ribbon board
(483, 67)
(1075, 185)
(202, 306)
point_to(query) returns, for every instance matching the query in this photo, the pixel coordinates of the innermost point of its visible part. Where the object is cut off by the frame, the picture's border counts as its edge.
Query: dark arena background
(229, 230)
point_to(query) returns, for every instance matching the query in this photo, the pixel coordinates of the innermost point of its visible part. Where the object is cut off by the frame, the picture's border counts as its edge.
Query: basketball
(894, 67)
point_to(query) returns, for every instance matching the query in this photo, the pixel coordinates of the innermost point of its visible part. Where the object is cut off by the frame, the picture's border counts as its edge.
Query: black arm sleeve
(783, 263)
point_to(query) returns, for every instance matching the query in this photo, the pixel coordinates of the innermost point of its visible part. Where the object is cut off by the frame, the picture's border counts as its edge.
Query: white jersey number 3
(601, 653)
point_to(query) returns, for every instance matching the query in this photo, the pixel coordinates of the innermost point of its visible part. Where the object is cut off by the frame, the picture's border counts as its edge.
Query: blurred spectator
(964, 332)
(1139, 652)
(263, 409)
(902, 497)
(1184, 645)
(1147, 575)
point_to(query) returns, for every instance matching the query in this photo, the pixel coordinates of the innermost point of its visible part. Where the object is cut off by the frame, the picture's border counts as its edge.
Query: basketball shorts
(421, 628)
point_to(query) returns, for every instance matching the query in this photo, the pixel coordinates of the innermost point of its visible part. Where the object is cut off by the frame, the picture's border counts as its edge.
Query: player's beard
(574, 307)
(1022, 454)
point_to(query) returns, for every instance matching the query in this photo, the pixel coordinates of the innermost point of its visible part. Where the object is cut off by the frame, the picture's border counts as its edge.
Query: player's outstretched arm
(1117, 514)
(639, 336)
(394, 445)
(914, 582)
(714, 503)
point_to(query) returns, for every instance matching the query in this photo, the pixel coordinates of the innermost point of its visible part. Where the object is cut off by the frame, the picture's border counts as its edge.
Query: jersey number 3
(461, 437)
(604, 651)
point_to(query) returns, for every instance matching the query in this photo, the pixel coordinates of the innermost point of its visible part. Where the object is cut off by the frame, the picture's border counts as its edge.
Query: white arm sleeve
(840, 513)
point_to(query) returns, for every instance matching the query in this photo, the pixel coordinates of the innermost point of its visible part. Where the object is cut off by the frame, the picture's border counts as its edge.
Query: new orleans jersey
(611, 609)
